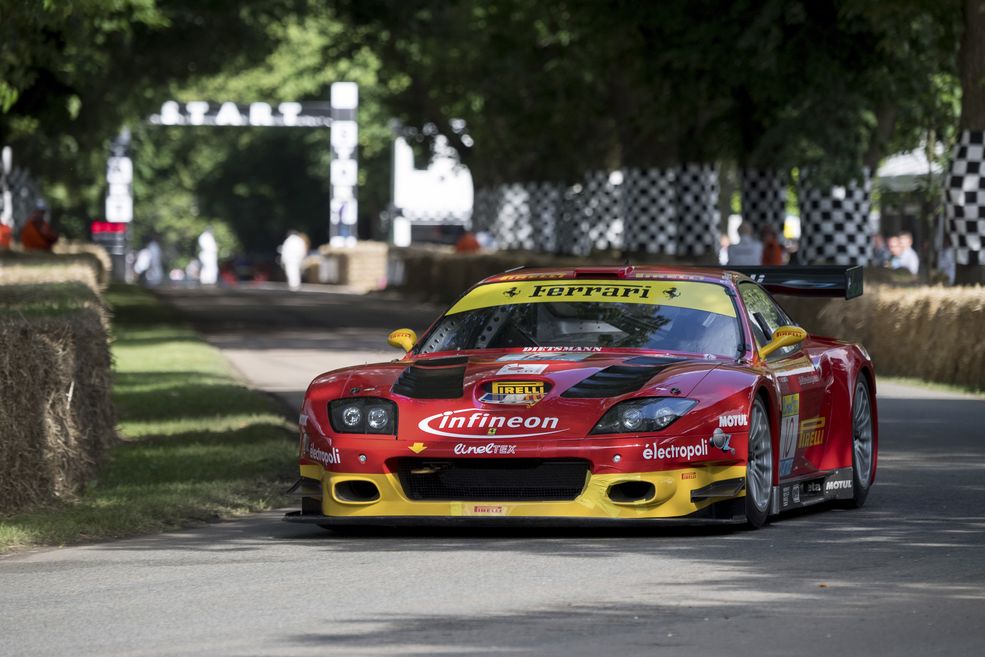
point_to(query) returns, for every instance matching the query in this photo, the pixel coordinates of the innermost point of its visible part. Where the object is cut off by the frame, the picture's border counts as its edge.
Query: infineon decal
(481, 424)
(709, 297)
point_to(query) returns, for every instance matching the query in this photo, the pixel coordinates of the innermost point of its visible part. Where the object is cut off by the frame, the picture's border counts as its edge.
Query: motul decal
(734, 420)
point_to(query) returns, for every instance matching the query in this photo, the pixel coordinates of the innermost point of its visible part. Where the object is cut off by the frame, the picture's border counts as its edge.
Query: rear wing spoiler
(812, 281)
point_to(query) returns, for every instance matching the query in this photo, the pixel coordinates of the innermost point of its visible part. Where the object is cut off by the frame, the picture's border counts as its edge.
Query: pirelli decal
(532, 388)
(709, 297)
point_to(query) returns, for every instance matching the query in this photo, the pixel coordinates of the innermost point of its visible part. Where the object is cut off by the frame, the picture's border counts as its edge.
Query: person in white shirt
(747, 251)
(208, 255)
(908, 258)
(292, 253)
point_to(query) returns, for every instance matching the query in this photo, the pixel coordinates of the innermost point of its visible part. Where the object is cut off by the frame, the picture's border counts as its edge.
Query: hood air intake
(428, 381)
(612, 381)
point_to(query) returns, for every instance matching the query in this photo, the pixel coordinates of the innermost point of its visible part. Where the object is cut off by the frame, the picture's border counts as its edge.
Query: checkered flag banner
(523, 216)
(835, 222)
(484, 209)
(22, 194)
(594, 220)
(966, 198)
(764, 199)
(696, 200)
(649, 211)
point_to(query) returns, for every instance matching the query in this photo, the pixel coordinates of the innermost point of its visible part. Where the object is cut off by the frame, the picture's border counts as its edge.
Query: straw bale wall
(56, 411)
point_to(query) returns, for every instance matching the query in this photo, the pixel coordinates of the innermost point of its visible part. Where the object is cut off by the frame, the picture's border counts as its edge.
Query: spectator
(467, 243)
(208, 256)
(772, 249)
(6, 236)
(748, 251)
(37, 234)
(880, 254)
(908, 258)
(149, 264)
(292, 253)
(723, 249)
(895, 251)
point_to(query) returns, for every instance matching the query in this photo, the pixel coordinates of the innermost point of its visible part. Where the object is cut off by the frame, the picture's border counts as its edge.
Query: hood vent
(612, 381)
(653, 360)
(430, 382)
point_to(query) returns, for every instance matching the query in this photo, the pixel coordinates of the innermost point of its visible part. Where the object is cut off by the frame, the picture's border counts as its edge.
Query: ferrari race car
(608, 394)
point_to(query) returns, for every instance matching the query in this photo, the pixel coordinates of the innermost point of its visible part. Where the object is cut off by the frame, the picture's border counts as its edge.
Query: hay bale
(38, 267)
(56, 412)
(931, 333)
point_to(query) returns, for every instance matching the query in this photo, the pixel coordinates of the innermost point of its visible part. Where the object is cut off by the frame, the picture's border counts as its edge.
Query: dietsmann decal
(489, 423)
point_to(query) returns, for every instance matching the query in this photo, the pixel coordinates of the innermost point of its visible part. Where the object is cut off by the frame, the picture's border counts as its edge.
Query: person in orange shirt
(467, 243)
(772, 249)
(6, 236)
(37, 234)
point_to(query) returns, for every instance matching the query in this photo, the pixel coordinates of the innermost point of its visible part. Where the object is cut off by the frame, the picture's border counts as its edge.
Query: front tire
(759, 466)
(863, 443)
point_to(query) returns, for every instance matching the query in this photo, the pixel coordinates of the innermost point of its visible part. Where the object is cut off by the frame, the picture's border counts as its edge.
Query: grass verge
(197, 444)
(931, 385)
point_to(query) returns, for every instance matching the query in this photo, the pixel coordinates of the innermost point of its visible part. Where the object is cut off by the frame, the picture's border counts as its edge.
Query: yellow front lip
(672, 498)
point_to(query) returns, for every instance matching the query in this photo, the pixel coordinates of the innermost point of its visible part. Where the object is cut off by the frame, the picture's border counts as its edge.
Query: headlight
(363, 415)
(643, 415)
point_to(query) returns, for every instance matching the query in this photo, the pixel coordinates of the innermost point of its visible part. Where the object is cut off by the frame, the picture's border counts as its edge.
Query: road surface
(903, 576)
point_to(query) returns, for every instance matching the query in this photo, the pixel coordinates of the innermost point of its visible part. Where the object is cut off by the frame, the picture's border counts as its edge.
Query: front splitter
(504, 521)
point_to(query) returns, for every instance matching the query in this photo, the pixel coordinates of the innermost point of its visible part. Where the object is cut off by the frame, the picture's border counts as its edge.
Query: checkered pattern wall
(764, 199)
(696, 201)
(484, 209)
(594, 216)
(966, 198)
(649, 211)
(23, 193)
(524, 216)
(835, 222)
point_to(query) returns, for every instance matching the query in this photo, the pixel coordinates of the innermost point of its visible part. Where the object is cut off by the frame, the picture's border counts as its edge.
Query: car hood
(509, 394)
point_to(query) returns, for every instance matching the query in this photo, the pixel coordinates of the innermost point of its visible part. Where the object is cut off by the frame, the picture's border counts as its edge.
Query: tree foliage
(548, 90)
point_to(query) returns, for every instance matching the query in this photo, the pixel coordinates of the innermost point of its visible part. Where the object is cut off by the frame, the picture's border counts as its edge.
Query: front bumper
(686, 493)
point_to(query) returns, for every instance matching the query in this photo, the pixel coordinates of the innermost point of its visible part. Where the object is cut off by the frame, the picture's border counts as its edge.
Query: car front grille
(492, 479)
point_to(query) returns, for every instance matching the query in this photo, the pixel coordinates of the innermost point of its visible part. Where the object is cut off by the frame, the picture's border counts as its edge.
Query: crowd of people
(206, 268)
(895, 252)
(751, 250)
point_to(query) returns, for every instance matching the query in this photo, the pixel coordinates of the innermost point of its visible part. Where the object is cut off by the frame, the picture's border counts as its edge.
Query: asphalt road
(903, 576)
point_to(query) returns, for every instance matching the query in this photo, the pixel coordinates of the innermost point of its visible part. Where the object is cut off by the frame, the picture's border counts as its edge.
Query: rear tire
(863, 443)
(759, 466)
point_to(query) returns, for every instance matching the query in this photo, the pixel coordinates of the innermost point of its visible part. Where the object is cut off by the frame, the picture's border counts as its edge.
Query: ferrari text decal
(709, 297)
(479, 424)
(488, 448)
(589, 291)
(789, 423)
(686, 452)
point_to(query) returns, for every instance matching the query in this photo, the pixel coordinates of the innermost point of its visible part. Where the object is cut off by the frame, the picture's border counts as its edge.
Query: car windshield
(662, 316)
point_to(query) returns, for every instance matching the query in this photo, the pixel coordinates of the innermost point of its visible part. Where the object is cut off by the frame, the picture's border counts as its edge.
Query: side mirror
(784, 336)
(402, 339)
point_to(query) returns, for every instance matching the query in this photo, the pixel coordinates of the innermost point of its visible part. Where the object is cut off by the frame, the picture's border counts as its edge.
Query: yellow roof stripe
(683, 294)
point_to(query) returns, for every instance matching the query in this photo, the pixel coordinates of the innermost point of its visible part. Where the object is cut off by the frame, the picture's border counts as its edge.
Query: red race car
(598, 394)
